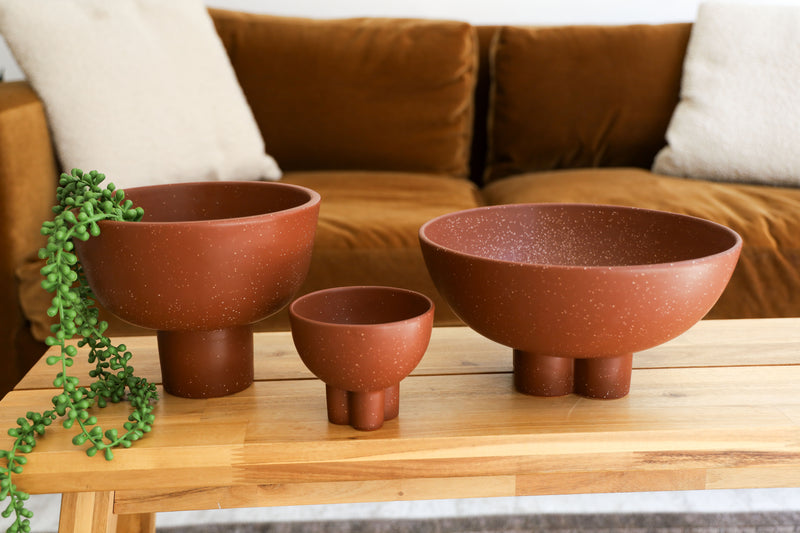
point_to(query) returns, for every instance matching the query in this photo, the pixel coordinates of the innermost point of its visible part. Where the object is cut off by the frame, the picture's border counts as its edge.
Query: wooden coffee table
(718, 407)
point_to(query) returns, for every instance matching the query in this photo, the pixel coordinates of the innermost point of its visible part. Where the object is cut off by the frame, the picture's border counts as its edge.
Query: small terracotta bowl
(207, 261)
(362, 341)
(575, 289)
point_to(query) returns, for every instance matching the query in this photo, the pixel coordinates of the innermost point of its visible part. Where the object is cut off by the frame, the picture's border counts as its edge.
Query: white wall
(484, 11)
(477, 12)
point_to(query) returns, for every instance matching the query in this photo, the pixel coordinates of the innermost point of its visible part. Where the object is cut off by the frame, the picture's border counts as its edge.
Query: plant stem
(72, 306)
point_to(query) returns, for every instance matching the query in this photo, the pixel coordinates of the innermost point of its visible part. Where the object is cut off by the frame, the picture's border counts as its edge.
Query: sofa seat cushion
(766, 282)
(367, 235)
(368, 230)
(362, 93)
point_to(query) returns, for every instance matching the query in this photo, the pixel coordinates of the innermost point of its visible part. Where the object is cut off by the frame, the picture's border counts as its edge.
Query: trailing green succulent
(81, 204)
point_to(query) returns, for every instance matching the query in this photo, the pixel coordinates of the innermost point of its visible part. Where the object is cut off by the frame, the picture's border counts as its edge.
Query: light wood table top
(718, 407)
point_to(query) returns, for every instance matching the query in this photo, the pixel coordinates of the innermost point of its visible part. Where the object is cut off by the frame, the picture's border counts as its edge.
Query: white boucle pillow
(738, 118)
(141, 90)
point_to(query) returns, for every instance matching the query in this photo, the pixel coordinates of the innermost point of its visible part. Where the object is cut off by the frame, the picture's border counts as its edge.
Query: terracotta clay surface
(575, 289)
(207, 260)
(362, 341)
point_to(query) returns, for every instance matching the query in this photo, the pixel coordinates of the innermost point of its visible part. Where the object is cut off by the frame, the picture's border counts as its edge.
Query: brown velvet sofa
(395, 122)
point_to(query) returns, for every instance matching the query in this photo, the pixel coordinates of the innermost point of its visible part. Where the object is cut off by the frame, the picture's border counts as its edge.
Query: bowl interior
(578, 235)
(361, 305)
(209, 201)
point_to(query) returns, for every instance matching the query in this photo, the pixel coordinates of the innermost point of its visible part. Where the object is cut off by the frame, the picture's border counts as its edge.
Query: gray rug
(557, 523)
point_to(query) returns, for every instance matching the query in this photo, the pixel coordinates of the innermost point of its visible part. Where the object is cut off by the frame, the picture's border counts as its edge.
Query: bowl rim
(347, 288)
(735, 248)
(314, 198)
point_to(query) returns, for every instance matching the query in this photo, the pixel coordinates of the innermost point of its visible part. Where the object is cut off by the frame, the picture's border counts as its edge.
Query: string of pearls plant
(81, 204)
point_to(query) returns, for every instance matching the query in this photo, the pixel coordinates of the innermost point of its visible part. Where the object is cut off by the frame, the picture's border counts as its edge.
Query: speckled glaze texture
(361, 342)
(576, 289)
(207, 260)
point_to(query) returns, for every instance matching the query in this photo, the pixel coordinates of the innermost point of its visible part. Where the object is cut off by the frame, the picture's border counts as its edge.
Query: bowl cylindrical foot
(542, 375)
(206, 364)
(604, 377)
(365, 411)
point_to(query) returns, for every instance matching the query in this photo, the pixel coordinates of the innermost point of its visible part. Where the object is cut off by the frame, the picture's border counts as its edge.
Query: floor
(559, 523)
(724, 501)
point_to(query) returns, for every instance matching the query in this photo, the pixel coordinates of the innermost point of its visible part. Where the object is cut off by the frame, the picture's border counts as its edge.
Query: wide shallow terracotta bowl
(361, 342)
(207, 260)
(575, 289)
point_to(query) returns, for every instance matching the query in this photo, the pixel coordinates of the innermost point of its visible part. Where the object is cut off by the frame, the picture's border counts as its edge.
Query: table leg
(136, 523)
(84, 512)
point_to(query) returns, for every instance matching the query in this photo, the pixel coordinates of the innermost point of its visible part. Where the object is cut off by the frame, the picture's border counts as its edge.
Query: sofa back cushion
(365, 94)
(582, 96)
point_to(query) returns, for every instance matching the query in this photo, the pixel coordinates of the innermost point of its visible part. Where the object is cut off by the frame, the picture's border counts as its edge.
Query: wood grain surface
(718, 407)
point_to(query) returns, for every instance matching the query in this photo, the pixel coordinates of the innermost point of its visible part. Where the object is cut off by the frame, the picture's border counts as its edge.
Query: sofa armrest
(27, 191)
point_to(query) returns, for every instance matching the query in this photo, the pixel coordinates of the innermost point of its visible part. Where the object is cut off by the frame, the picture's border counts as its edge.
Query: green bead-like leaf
(81, 203)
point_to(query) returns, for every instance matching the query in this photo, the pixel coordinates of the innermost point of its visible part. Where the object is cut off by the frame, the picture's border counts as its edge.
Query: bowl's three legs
(362, 410)
(596, 377)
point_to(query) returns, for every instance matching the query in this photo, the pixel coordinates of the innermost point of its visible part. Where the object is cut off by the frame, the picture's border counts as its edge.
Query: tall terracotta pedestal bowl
(361, 342)
(206, 261)
(576, 289)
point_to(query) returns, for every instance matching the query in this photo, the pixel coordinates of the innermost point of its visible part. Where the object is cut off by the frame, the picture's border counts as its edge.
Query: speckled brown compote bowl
(207, 261)
(361, 342)
(575, 289)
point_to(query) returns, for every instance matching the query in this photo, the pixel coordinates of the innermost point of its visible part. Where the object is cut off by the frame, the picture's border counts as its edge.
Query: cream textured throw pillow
(141, 90)
(739, 114)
